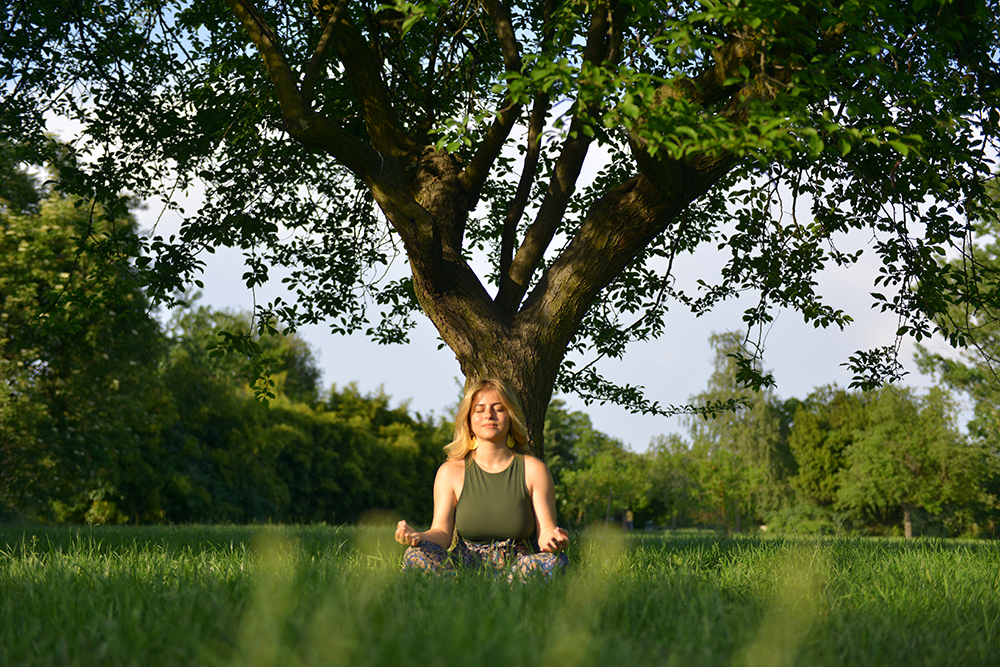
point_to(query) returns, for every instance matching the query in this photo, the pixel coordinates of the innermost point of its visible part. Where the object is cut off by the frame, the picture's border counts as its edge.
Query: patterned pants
(513, 557)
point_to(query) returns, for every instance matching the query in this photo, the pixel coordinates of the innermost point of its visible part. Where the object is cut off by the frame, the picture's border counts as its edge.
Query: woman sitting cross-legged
(499, 498)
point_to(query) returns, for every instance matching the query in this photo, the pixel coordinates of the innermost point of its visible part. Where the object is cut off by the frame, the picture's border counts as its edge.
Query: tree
(595, 475)
(566, 432)
(973, 372)
(611, 480)
(673, 480)
(824, 427)
(226, 457)
(80, 401)
(745, 447)
(467, 127)
(909, 456)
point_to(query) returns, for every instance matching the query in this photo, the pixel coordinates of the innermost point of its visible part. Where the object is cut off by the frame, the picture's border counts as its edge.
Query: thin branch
(365, 74)
(564, 177)
(476, 173)
(532, 151)
(289, 97)
(652, 313)
(315, 63)
(536, 124)
(306, 127)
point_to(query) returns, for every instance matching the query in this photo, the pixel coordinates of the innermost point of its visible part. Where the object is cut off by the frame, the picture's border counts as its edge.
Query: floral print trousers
(515, 558)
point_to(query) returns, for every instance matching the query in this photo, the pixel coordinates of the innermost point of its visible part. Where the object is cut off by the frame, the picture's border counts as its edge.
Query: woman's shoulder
(534, 466)
(452, 468)
(536, 475)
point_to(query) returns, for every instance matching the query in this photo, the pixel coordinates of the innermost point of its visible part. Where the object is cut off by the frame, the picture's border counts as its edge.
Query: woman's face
(490, 419)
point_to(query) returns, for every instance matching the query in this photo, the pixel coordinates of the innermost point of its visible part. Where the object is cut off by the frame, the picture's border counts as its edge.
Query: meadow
(320, 595)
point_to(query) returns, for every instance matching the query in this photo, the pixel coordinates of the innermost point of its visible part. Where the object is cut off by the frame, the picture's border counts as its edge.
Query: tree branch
(382, 174)
(475, 174)
(315, 63)
(564, 177)
(536, 124)
(369, 88)
(285, 86)
(532, 151)
(626, 219)
(708, 89)
(616, 229)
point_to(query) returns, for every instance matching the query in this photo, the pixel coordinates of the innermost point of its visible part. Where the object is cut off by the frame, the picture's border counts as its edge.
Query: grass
(304, 596)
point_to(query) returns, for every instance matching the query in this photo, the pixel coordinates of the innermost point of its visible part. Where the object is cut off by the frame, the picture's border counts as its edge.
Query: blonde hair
(461, 447)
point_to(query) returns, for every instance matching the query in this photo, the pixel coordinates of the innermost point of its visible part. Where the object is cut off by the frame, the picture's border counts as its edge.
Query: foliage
(825, 425)
(765, 129)
(107, 418)
(909, 455)
(974, 372)
(596, 476)
(613, 481)
(807, 519)
(79, 401)
(744, 452)
(674, 482)
(848, 462)
(232, 459)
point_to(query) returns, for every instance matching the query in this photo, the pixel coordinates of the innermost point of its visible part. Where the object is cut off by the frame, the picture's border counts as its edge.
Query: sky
(672, 369)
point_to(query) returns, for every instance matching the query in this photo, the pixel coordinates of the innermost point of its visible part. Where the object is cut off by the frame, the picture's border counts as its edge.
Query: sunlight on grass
(332, 637)
(276, 563)
(588, 590)
(277, 631)
(800, 577)
(270, 596)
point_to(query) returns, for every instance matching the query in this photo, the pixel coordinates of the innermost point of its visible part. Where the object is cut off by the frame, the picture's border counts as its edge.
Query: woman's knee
(425, 556)
(543, 564)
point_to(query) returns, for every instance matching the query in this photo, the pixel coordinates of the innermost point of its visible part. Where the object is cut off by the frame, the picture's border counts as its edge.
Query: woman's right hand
(406, 535)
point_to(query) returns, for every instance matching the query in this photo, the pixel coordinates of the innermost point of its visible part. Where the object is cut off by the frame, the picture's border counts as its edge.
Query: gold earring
(474, 445)
(510, 441)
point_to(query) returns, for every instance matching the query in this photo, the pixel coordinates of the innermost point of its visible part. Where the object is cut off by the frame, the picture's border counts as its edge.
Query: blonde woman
(498, 498)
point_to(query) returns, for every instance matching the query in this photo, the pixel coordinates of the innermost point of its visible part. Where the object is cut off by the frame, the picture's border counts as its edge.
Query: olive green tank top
(495, 506)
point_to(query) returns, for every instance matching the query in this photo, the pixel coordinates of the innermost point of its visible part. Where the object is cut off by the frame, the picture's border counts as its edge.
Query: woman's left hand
(553, 539)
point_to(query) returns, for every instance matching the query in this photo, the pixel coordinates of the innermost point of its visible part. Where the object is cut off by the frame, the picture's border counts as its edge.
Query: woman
(492, 492)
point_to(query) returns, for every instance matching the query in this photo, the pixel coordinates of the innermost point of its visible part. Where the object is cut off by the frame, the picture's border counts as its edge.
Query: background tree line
(109, 416)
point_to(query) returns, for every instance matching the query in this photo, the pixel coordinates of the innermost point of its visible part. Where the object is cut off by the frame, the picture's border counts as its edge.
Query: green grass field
(334, 596)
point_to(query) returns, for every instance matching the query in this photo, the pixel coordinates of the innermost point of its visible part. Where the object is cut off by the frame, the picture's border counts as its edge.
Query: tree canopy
(80, 401)
(907, 456)
(333, 136)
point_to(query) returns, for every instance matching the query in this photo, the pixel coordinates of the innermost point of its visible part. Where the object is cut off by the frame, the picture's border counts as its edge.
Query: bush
(806, 519)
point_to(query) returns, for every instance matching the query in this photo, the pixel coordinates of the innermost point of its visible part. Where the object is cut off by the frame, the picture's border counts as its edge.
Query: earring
(510, 441)
(474, 445)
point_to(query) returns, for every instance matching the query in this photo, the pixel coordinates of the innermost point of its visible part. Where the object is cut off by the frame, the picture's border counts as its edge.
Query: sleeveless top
(495, 506)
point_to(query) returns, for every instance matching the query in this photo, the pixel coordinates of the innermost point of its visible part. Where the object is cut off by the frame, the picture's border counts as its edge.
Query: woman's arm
(538, 479)
(446, 492)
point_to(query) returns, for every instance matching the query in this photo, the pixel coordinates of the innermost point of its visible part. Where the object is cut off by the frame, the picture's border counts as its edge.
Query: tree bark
(908, 521)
